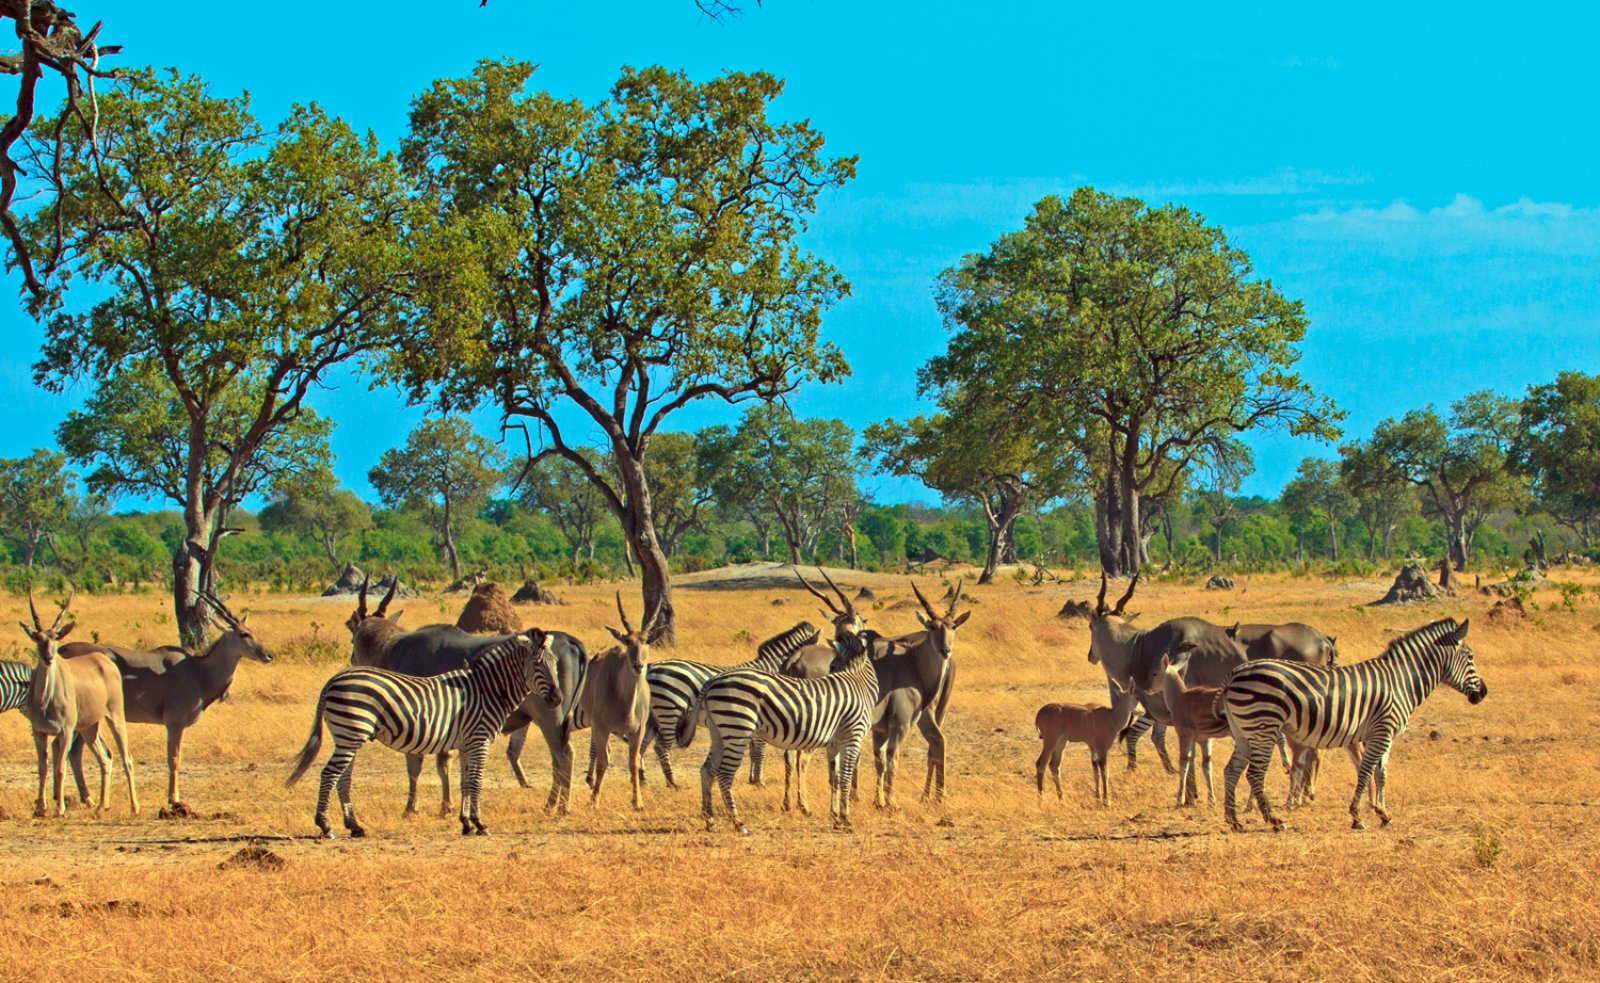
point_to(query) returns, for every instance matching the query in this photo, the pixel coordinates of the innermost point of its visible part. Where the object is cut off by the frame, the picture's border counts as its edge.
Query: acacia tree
(1383, 497)
(799, 473)
(562, 491)
(1316, 494)
(972, 452)
(618, 262)
(235, 268)
(35, 500)
(1557, 446)
(445, 471)
(1462, 464)
(1136, 336)
(316, 506)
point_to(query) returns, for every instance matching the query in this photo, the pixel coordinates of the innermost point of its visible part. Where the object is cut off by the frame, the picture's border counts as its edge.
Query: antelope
(170, 687)
(615, 699)
(379, 642)
(1131, 657)
(1098, 727)
(915, 676)
(1195, 718)
(68, 697)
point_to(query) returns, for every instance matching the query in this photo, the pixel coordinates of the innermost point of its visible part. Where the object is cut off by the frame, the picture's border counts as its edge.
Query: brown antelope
(68, 697)
(1194, 716)
(615, 699)
(915, 676)
(172, 688)
(1097, 727)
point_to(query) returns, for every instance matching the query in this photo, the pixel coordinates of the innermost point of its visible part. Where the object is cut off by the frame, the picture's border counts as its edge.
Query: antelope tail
(308, 754)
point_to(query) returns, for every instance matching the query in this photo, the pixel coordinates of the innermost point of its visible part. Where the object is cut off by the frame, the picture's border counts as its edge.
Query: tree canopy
(446, 471)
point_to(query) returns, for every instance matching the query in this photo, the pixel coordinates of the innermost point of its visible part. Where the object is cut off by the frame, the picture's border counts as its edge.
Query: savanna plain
(1487, 872)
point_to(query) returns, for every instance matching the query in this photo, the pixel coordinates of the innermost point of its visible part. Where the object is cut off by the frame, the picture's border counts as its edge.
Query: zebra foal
(1314, 706)
(461, 710)
(833, 712)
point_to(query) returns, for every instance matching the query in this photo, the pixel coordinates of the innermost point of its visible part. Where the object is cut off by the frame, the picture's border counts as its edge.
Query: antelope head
(1100, 619)
(46, 640)
(846, 620)
(233, 627)
(360, 614)
(636, 641)
(941, 627)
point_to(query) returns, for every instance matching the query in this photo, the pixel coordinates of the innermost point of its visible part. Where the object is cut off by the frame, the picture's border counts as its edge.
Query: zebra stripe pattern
(833, 712)
(461, 710)
(676, 684)
(1368, 702)
(15, 678)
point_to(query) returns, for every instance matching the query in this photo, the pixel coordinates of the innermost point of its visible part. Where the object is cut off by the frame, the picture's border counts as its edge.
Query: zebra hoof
(327, 834)
(356, 832)
(743, 829)
(1357, 824)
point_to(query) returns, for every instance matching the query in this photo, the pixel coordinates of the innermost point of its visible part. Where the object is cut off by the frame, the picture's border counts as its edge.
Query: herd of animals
(438, 689)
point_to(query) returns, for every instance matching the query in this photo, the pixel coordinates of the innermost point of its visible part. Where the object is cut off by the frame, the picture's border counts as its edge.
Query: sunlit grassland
(1487, 872)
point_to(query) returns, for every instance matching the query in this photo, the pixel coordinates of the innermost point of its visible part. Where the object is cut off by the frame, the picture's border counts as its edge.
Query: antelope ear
(959, 621)
(1186, 646)
(67, 630)
(25, 629)
(1233, 632)
(619, 636)
(922, 619)
(395, 618)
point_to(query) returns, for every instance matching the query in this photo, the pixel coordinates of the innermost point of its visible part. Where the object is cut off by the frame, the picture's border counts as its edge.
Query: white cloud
(1465, 224)
(1285, 181)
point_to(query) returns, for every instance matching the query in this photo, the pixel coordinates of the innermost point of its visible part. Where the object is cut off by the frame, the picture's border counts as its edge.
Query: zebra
(1321, 707)
(15, 678)
(676, 683)
(461, 710)
(742, 705)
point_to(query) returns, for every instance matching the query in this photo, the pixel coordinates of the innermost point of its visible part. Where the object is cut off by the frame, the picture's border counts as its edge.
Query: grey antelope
(675, 685)
(379, 642)
(915, 679)
(1130, 656)
(68, 697)
(833, 712)
(615, 699)
(814, 660)
(1370, 702)
(1097, 727)
(461, 710)
(172, 688)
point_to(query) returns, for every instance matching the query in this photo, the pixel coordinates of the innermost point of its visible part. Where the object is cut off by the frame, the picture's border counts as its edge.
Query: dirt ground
(1486, 873)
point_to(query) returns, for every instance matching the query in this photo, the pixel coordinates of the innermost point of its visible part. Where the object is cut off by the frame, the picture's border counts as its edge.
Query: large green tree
(1384, 497)
(36, 500)
(1138, 337)
(235, 267)
(680, 488)
(1461, 463)
(618, 262)
(446, 472)
(317, 507)
(561, 490)
(1318, 496)
(1557, 445)
(799, 473)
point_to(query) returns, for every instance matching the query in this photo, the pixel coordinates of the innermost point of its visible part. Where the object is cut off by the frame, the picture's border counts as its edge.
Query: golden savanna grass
(1488, 871)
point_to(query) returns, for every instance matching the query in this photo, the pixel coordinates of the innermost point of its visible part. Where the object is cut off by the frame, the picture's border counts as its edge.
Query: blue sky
(1424, 180)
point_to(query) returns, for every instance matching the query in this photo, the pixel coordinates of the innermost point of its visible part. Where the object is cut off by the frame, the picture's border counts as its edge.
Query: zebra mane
(1427, 635)
(789, 642)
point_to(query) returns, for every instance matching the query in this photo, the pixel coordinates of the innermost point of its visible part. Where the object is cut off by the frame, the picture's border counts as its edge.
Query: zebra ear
(1460, 634)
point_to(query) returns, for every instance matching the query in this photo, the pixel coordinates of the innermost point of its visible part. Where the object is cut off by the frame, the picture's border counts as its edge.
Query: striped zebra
(461, 710)
(15, 678)
(743, 705)
(676, 684)
(1320, 707)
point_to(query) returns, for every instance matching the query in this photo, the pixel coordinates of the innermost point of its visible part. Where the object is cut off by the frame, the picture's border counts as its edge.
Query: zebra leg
(588, 779)
(1260, 761)
(1381, 779)
(346, 803)
(666, 740)
(442, 763)
(332, 774)
(1283, 751)
(1136, 730)
(1230, 782)
(1372, 757)
(707, 776)
(514, 742)
(473, 758)
(933, 785)
(1158, 737)
(733, 749)
(413, 772)
(849, 756)
(758, 759)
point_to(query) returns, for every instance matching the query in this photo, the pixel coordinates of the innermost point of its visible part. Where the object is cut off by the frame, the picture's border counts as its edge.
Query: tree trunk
(333, 554)
(639, 529)
(1002, 525)
(1455, 526)
(1333, 538)
(850, 538)
(1109, 526)
(191, 574)
(450, 543)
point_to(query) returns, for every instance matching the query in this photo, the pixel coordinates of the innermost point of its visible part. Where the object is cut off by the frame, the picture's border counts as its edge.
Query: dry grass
(1486, 873)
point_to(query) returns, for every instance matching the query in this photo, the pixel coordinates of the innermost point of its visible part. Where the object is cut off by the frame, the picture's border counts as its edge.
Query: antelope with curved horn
(915, 679)
(615, 699)
(68, 697)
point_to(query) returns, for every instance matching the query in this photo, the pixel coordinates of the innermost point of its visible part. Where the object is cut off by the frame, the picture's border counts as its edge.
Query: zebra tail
(308, 754)
(689, 721)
